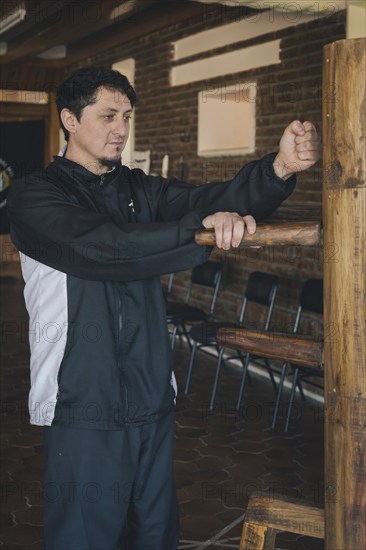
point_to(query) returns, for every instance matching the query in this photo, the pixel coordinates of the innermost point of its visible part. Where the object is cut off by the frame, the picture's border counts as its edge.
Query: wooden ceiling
(59, 33)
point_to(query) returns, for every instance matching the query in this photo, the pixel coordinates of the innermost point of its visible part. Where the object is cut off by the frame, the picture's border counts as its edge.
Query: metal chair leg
(217, 377)
(279, 393)
(174, 335)
(299, 385)
(292, 397)
(243, 379)
(190, 368)
(186, 334)
(270, 372)
(242, 358)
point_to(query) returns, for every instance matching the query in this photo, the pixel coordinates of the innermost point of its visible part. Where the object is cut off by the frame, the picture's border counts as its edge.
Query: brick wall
(166, 123)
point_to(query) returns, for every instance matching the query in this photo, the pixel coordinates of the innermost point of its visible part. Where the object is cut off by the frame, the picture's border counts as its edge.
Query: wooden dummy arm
(274, 345)
(277, 234)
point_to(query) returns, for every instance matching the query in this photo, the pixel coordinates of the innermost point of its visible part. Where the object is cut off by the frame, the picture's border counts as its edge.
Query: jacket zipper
(120, 349)
(120, 328)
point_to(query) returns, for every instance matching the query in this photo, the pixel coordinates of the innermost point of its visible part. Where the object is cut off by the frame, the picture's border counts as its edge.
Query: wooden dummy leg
(267, 515)
(257, 537)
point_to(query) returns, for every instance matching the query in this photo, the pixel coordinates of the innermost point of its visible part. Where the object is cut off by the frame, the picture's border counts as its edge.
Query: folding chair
(179, 314)
(261, 289)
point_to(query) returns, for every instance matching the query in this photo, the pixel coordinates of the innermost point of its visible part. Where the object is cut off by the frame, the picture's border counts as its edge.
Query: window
(226, 120)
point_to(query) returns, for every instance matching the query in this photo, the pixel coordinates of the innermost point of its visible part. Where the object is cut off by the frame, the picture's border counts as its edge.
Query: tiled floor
(220, 458)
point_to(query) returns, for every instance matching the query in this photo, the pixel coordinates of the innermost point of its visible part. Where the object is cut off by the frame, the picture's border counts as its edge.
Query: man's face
(101, 135)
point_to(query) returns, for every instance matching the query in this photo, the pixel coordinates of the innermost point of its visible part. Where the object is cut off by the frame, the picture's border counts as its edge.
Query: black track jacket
(92, 250)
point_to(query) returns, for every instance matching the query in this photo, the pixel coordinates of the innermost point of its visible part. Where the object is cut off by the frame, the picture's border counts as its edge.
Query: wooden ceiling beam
(77, 20)
(29, 76)
(143, 23)
(22, 111)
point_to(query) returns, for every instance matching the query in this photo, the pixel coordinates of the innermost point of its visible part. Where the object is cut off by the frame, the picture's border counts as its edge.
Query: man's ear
(69, 120)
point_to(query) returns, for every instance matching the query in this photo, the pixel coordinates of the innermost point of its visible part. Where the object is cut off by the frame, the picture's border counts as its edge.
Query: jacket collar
(79, 174)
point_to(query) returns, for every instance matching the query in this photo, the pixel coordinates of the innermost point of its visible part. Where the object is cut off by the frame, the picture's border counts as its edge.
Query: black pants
(108, 489)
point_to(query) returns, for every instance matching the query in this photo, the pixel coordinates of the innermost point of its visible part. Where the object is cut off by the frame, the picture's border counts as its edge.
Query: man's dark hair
(81, 89)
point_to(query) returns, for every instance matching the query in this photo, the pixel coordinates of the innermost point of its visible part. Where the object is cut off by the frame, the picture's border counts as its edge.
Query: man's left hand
(299, 149)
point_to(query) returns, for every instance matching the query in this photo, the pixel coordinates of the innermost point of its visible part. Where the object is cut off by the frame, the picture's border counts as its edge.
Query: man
(94, 237)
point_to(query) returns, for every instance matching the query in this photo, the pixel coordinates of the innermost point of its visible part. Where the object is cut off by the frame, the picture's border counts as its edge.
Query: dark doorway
(21, 153)
(22, 145)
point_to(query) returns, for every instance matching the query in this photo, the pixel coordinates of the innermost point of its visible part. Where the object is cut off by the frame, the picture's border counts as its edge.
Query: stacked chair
(301, 356)
(261, 289)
